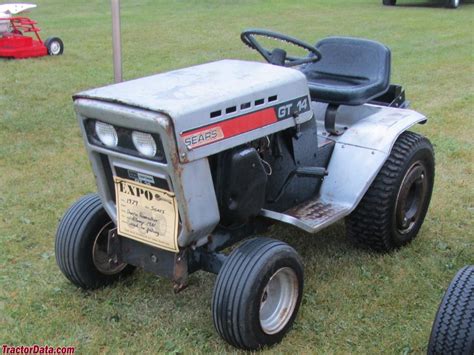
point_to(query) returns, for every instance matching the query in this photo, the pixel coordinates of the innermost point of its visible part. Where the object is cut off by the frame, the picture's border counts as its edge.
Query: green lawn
(354, 301)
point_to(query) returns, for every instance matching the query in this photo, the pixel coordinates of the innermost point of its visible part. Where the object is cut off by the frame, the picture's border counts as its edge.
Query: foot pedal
(311, 216)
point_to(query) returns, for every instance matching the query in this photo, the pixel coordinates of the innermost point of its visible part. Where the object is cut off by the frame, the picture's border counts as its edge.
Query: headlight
(144, 143)
(106, 133)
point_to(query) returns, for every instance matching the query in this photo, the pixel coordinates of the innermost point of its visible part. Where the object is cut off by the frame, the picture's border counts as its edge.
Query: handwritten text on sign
(147, 214)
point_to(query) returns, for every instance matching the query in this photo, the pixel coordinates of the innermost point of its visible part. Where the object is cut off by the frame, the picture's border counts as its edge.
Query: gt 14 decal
(290, 108)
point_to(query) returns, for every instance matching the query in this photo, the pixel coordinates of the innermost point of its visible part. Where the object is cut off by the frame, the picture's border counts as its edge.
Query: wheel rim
(106, 265)
(278, 300)
(55, 48)
(411, 197)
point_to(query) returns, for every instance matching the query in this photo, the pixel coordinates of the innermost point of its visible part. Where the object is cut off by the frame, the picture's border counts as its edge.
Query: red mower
(15, 41)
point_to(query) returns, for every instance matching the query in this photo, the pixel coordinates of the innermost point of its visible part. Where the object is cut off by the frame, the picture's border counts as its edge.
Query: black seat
(351, 71)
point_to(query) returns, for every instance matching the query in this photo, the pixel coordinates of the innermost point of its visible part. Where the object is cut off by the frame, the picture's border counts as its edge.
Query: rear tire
(81, 241)
(453, 4)
(394, 207)
(389, 2)
(453, 328)
(54, 45)
(257, 293)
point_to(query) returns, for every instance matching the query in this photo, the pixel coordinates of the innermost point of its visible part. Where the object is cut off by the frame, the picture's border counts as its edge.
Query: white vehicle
(192, 161)
(452, 4)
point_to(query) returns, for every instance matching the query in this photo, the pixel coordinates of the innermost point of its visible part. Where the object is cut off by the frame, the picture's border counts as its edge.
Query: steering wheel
(278, 56)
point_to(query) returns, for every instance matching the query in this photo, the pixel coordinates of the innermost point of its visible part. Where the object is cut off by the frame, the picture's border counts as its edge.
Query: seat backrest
(354, 57)
(351, 71)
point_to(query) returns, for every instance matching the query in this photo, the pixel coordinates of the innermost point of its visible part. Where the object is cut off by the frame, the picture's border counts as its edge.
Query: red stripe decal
(229, 128)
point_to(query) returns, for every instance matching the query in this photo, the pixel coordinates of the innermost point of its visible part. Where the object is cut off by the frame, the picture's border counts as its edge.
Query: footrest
(311, 216)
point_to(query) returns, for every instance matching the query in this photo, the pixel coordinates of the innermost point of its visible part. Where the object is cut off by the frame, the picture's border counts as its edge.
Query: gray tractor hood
(202, 97)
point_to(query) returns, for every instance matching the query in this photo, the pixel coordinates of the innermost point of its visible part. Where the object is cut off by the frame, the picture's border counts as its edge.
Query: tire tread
(453, 328)
(70, 225)
(368, 224)
(227, 306)
(73, 247)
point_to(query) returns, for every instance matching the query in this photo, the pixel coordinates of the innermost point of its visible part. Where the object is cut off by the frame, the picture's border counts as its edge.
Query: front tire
(81, 245)
(54, 45)
(257, 293)
(453, 328)
(394, 207)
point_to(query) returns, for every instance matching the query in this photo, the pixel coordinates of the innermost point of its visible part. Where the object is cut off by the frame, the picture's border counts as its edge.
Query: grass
(354, 301)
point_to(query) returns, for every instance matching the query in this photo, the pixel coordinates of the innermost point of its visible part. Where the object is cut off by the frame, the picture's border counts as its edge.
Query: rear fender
(359, 154)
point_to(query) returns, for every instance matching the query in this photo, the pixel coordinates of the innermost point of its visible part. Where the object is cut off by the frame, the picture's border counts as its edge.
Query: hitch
(174, 266)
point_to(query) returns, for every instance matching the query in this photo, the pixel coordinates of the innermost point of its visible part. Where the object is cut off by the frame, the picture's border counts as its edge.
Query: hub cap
(103, 263)
(55, 48)
(278, 300)
(411, 197)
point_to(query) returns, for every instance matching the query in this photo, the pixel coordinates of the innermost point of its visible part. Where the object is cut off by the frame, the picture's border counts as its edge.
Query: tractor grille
(130, 174)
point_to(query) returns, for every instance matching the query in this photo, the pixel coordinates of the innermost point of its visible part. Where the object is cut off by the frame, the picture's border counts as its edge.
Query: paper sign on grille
(147, 214)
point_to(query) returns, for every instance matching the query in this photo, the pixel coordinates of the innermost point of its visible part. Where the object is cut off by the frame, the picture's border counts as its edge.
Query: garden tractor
(19, 36)
(190, 162)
